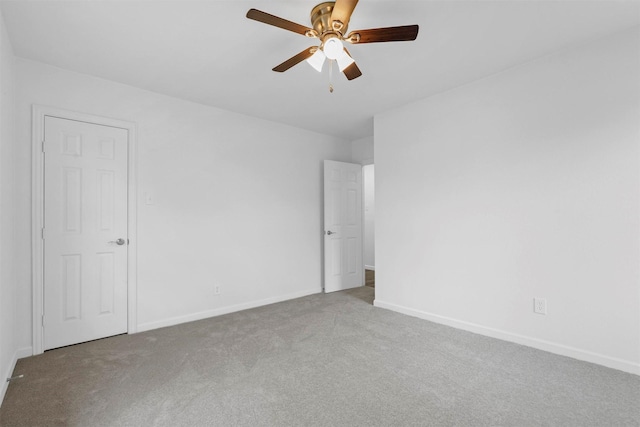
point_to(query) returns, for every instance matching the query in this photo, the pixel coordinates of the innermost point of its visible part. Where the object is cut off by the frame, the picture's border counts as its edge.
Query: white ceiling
(208, 52)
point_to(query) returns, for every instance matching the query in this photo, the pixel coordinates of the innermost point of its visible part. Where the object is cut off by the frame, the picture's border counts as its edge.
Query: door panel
(85, 212)
(343, 226)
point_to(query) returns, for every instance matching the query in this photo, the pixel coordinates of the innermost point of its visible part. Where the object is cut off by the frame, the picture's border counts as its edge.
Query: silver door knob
(118, 242)
(329, 233)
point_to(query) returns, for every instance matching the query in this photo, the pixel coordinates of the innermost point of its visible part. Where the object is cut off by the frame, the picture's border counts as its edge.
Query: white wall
(237, 201)
(521, 185)
(362, 150)
(9, 350)
(368, 180)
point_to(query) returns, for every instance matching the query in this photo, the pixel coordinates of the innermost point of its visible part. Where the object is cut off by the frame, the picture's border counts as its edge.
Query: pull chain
(330, 76)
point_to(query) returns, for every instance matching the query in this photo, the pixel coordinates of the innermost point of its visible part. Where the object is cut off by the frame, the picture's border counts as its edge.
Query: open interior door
(343, 268)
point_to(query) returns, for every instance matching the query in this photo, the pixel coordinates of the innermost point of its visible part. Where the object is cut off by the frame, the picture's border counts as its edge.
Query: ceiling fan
(329, 22)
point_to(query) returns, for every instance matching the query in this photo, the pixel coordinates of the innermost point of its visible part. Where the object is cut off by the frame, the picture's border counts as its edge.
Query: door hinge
(42, 233)
(43, 320)
(42, 146)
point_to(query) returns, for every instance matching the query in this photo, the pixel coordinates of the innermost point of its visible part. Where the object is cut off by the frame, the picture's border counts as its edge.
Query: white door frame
(39, 112)
(365, 162)
(364, 264)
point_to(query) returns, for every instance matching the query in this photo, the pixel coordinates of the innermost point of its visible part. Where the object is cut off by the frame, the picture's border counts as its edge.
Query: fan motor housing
(321, 19)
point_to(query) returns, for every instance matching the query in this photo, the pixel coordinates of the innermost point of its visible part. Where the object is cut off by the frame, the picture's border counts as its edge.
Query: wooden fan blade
(388, 34)
(264, 17)
(352, 72)
(305, 54)
(342, 11)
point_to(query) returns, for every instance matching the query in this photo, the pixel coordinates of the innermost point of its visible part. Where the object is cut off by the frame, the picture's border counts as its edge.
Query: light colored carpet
(320, 360)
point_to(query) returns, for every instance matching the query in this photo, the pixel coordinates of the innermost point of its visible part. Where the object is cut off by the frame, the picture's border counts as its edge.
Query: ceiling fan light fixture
(333, 48)
(317, 60)
(344, 60)
(329, 23)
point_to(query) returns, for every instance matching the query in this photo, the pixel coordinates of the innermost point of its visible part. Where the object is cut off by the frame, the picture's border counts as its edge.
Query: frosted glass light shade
(317, 60)
(333, 48)
(344, 60)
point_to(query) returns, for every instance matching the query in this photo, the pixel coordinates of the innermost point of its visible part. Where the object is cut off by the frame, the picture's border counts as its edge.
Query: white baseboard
(552, 347)
(19, 354)
(370, 267)
(223, 310)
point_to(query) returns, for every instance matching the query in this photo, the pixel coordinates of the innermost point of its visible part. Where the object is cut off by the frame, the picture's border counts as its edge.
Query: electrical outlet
(216, 290)
(540, 305)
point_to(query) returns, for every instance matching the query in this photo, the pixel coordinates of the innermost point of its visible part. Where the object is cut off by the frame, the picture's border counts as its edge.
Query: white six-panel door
(343, 268)
(85, 232)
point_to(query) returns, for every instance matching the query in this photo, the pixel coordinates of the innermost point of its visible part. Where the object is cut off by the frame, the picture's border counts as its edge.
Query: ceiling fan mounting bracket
(353, 38)
(312, 34)
(337, 25)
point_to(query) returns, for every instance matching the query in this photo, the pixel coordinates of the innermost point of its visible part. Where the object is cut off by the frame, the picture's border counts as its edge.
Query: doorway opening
(368, 194)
